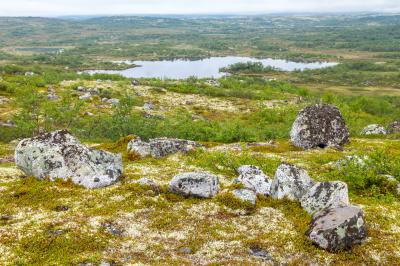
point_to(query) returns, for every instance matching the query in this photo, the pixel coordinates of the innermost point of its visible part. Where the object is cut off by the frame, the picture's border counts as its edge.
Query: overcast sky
(90, 7)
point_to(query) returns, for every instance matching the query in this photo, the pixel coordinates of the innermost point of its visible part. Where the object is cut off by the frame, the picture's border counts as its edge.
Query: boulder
(373, 129)
(245, 195)
(325, 195)
(161, 147)
(201, 185)
(394, 128)
(254, 179)
(60, 155)
(290, 182)
(338, 228)
(319, 126)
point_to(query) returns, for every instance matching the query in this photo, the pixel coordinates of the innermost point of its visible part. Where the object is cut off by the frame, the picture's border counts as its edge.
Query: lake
(204, 68)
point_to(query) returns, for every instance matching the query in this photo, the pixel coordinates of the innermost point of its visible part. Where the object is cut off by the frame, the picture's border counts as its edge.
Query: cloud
(87, 7)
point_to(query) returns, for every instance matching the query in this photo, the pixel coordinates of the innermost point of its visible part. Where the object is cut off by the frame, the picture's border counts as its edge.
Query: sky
(114, 7)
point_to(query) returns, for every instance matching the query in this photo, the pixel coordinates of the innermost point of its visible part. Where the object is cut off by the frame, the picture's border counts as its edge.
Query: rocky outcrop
(338, 228)
(245, 195)
(201, 185)
(254, 179)
(290, 182)
(319, 126)
(325, 195)
(394, 128)
(161, 147)
(60, 155)
(374, 129)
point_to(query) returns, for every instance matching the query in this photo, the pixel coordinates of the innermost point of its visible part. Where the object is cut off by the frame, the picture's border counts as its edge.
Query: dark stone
(319, 126)
(394, 128)
(337, 229)
(261, 254)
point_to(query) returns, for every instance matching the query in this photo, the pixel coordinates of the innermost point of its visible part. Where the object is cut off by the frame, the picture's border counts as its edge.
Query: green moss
(230, 201)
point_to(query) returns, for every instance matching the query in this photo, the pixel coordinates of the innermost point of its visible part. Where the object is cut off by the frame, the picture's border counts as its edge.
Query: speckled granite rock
(202, 185)
(338, 228)
(319, 126)
(253, 178)
(290, 182)
(245, 195)
(374, 129)
(61, 155)
(161, 147)
(325, 195)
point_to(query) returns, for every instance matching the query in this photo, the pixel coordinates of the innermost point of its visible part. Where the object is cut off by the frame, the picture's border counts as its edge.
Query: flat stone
(201, 185)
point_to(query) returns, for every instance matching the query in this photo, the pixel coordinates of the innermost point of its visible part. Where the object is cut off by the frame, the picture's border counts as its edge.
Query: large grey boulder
(325, 195)
(374, 129)
(161, 147)
(394, 128)
(245, 195)
(60, 155)
(338, 228)
(201, 185)
(319, 126)
(290, 182)
(254, 179)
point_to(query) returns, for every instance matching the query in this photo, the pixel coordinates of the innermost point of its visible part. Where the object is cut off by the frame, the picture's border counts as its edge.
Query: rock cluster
(161, 147)
(374, 129)
(319, 126)
(60, 155)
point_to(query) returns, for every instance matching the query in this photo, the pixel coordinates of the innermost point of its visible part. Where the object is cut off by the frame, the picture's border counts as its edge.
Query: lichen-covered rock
(61, 155)
(161, 147)
(325, 195)
(202, 185)
(374, 129)
(338, 228)
(290, 182)
(356, 160)
(319, 126)
(253, 178)
(394, 128)
(245, 195)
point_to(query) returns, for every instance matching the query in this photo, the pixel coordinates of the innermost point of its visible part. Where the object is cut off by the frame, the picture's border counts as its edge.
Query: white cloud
(80, 7)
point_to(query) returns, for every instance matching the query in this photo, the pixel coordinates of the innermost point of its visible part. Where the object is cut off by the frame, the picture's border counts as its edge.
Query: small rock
(135, 83)
(325, 195)
(374, 129)
(56, 232)
(185, 250)
(61, 208)
(113, 101)
(290, 182)
(338, 228)
(146, 182)
(202, 185)
(148, 106)
(29, 73)
(245, 195)
(112, 229)
(394, 128)
(253, 178)
(261, 254)
(319, 126)
(86, 96)
(360, 161)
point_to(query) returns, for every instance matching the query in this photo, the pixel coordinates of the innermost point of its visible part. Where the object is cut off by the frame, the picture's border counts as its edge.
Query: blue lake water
(204, 68)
